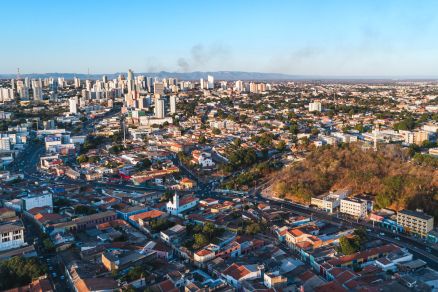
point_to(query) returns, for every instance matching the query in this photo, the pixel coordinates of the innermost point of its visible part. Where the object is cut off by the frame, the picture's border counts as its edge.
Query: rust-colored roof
(365, 254)
(330, 287)
(187, 200)
(203, 252)
(296, 232)
(236, 271)
(147, 215)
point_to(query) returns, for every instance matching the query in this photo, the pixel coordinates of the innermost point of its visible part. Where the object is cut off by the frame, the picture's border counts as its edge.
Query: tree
(347, 246)
(253, 228)
(293, 129)
(209, 229)
(216, 131)
(48, 245)
(405, 124)
(116, 149)
(200, 240)
(19, 271)
(360, 128)
(281, 146)
(314, 131)
(82, 159)
(202, 139)
(144, 164)
(84, 210)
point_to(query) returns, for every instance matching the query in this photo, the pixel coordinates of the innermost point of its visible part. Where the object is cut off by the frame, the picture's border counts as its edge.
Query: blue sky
(313, 37)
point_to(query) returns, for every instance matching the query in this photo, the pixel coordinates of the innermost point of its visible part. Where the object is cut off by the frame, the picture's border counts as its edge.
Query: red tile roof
(330, 287)
(385, 249)
(296, 232)
(203, 252)
(147, 215)
(236, 271)
(187, 200)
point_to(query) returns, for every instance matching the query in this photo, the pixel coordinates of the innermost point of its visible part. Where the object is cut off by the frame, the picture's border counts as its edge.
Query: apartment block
(354, 207)
(329, 202)
(415, 222)
(11, 236)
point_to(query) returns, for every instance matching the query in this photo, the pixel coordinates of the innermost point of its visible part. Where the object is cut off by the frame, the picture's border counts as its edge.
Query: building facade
(354, 207)
(415, 222)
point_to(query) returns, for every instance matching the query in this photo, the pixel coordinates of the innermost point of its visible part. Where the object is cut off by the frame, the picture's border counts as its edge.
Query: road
(416, 247)
(28, 160)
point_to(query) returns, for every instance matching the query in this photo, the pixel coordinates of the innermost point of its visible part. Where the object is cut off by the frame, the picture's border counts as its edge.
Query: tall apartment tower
(131, 81)
(210, 82)
(172, 104)
(159, 108)
(73, 102)
(158, 88)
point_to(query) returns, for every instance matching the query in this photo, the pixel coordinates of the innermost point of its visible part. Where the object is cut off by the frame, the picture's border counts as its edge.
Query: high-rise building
(77, 82)
(131, 81)
(54, 85)
(37, 89)
(73, 102)
(104, 79)
(149, 83)
(210, 82)
(159, 108)
(239, 85)
(6, 94)
(158, 88)
(22, 89)
(202, 83)
(172, 104)
(88, 85)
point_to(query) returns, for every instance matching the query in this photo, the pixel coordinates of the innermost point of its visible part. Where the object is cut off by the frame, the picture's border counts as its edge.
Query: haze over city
(193, 146)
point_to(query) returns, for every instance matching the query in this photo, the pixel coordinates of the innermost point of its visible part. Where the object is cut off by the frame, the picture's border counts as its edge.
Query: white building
(43, 200)
(331, 201)
(11, 236)
(202, 158)
(37, 93)
(236, 273)
(172, 104)
(73, 102)
(210, 82)
(315, 106)
(159, 108)
(5, 143)
(52, 141)
(206, 254)
(354, 207)
(239, 85)
(177, 206)
(6, 94)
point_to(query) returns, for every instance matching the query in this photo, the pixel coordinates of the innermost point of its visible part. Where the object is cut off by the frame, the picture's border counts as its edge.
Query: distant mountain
(218, 75)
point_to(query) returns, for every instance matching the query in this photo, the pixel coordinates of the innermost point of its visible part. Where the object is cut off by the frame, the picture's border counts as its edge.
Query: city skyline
(315, 38)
